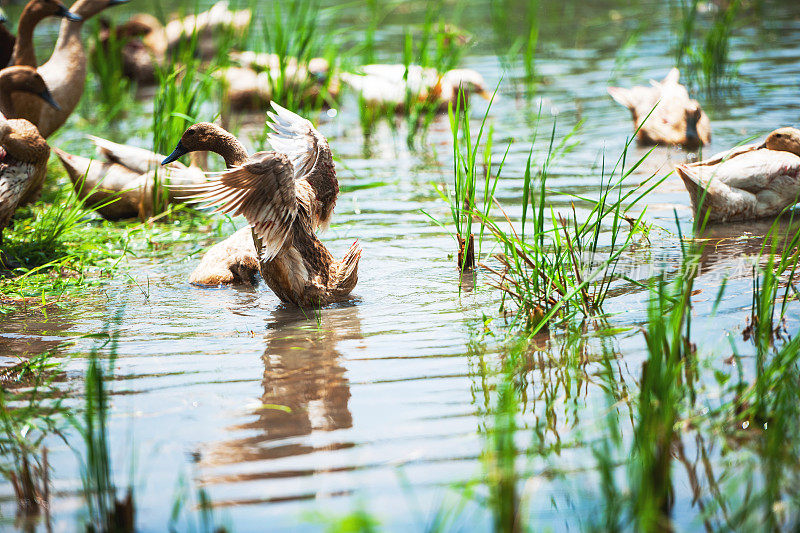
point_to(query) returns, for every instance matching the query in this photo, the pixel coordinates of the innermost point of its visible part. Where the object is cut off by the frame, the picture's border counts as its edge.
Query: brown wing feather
(262, 190)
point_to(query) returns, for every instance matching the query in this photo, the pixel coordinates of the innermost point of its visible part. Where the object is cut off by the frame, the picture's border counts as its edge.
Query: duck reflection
(305, 387)
(730, 248)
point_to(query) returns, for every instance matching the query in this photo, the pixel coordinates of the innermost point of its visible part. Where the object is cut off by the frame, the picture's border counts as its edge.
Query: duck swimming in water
(285, 195)
(748, 182)
(664, 113)
(389, 85)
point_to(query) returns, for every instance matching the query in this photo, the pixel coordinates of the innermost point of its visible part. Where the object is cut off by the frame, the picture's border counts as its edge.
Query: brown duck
(23, 151)
(64, 73)
(143, 46)
(120, 182)
(284, 195)
(664, 113)
(35, 12)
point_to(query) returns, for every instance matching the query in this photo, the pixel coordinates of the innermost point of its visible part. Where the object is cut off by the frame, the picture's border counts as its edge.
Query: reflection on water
(305, 390)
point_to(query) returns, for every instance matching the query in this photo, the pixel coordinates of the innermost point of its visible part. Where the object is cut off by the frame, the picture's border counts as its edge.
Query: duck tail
(347, 275)
(77, 168)
(713, 200)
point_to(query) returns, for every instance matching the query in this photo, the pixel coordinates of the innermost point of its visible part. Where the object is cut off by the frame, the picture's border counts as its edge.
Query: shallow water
(380, 403)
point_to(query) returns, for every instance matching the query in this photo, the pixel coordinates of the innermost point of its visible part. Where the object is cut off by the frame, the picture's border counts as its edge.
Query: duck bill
(67, 14)
(179, 151)
(117, 2)
(48, 97)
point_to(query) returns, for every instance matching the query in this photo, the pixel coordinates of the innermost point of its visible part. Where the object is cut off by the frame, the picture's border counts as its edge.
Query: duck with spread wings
(285, 195)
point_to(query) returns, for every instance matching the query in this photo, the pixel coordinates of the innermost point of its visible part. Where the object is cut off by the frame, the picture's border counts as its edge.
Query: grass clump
(53, 248)
(114, 89)
(705, 52)
(557, 266)
(466, 175)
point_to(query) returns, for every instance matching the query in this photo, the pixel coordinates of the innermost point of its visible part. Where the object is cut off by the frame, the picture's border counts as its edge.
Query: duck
(64, 73)
(206, 26)
(285, 195)
(748, 182)
(23, 151)
(143, 46)
(7, 40)
(250, 86)
(35, 11)
(120, 183)
(664, 113)
(387, 85)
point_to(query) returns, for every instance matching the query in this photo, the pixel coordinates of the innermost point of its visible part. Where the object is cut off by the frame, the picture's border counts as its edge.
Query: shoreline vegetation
(673, 416)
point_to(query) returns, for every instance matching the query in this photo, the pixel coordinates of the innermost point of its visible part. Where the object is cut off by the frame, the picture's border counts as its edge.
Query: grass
(466, 175)
(184, 85)
(554, 267)
(705, 51)
(115, 90)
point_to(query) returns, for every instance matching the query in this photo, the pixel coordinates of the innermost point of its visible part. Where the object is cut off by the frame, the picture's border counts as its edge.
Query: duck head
(202, 136)
(784, 139)
(40, 9)
(89, 8)
(692, 116)
(469, 79)
(207, 137)
(28, 80)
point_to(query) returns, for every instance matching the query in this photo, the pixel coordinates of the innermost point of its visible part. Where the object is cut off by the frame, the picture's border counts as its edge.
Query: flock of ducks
(287, 195)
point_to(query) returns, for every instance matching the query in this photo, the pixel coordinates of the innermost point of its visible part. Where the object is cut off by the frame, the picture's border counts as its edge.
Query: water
(379, 404)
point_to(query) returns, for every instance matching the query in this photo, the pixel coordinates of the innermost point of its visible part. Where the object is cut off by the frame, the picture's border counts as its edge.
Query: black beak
(67, 14)
(47, 97)
(179, 151)
(117, 2)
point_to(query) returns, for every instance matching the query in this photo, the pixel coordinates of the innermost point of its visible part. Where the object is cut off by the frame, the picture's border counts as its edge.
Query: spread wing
(263, 190)
(295, 137)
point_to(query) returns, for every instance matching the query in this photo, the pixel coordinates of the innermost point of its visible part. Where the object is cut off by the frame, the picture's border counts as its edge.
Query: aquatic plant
(554, 266)
(710, 60)
(462, 201)
(184, 85)
(293, 33)
(30, 411)
(106, 511)
(114, 89)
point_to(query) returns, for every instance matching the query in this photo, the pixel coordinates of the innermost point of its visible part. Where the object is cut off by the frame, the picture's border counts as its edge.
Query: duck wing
(263, 191)
(297, 138)
(754, 171)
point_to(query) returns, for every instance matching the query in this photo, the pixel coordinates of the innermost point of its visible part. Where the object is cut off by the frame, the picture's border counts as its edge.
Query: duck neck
(69, 40)
(231, 150)
(24, 53)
